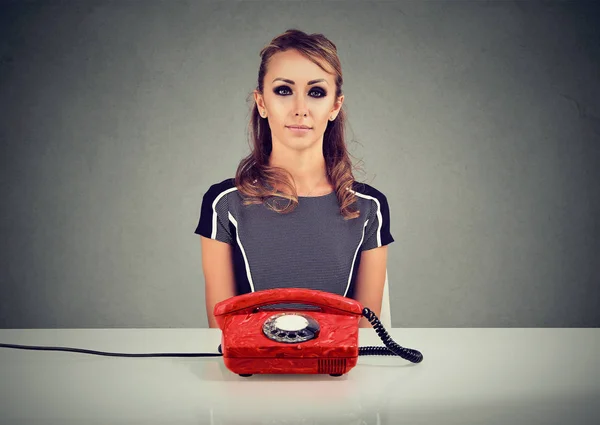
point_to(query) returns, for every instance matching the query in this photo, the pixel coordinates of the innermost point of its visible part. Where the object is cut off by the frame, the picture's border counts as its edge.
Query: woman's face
(297, 92)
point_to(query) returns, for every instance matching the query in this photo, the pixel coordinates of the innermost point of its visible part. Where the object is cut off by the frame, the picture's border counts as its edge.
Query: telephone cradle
(258, 339)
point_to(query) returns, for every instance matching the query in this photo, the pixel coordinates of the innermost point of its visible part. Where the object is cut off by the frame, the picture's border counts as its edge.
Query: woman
(294, 216)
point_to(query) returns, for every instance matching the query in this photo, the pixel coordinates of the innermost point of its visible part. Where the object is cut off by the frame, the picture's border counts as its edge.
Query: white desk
(468, 376)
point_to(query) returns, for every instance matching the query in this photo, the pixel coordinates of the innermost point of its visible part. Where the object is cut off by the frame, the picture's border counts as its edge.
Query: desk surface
(468, 376)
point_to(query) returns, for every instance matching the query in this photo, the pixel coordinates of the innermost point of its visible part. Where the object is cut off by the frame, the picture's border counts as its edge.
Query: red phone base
(327, 342)
(252, 366)
(246, 350)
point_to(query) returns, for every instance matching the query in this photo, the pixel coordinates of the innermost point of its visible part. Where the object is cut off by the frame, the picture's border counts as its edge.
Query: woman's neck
(308, 171)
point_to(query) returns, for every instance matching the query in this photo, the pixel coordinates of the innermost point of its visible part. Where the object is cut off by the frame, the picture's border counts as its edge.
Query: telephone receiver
(262, 336)
(248, 303)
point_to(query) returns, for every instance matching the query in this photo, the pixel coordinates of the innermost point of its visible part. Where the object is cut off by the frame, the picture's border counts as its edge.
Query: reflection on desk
(469, 376)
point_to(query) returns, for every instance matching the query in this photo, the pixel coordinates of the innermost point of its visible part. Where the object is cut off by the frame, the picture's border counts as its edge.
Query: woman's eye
(282, 90)
(318, 92)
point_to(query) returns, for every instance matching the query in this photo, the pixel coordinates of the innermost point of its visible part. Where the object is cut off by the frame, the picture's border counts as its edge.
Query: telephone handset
(257, 340)
(326, 301)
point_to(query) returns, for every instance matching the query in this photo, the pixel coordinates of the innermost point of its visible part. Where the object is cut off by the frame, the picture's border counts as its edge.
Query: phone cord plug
(391, 348)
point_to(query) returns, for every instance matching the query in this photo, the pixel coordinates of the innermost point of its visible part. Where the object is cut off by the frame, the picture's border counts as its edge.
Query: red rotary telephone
(260, 340)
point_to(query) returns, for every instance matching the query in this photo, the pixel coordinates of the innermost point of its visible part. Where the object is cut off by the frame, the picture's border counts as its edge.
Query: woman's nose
(301, 108)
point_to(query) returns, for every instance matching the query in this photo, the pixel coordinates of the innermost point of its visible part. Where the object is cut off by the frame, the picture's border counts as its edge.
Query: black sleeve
(214, 214)
(377, 232)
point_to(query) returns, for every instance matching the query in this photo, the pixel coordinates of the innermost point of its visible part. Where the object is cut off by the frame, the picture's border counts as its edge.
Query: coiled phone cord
(391, 347)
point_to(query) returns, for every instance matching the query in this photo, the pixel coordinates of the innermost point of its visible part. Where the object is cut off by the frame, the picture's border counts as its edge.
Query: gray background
(480, 121)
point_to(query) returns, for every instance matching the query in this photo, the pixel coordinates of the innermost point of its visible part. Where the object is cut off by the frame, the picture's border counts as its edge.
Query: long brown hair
(255, 179)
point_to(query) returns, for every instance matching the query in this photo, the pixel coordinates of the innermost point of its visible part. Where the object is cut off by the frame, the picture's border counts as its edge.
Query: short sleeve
(214, 216)
(377, 231)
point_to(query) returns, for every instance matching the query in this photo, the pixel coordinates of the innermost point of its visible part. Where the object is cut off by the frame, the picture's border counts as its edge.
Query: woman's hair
(255, 178)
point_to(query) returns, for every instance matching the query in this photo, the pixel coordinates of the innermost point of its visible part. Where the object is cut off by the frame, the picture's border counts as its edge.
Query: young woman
(293, 216)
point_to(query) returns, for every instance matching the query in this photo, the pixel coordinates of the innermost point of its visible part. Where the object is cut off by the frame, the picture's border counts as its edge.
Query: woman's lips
(298, 130)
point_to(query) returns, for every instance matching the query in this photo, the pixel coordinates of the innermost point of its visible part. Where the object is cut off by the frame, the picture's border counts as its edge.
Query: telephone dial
(258, 339)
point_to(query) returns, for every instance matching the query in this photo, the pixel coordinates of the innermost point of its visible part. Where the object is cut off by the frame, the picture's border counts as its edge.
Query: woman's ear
(260, 102)
(337, 106)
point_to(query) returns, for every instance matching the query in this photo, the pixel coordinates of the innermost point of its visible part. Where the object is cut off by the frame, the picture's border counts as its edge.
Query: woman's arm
(217, 264)
(370, 281)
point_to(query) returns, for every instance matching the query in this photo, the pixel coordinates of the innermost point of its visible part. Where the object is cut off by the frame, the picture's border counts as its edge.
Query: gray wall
(479, 120)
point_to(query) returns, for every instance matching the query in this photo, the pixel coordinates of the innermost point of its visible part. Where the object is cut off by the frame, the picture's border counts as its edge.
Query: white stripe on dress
(237, 235)
(213, 234)
(354, 259)
(379, 219)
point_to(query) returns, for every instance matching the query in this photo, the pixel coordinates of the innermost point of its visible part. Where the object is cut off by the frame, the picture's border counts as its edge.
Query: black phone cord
(391, 348)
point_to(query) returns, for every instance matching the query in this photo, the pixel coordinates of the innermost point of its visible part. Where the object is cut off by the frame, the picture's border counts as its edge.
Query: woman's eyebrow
(311, 82)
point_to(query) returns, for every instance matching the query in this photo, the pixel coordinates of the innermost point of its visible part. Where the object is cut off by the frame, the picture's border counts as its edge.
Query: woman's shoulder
(374, 202)
(220, 189)
(367, 191)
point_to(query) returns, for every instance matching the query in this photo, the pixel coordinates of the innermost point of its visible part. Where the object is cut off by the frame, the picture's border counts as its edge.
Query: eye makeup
(318, 92)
